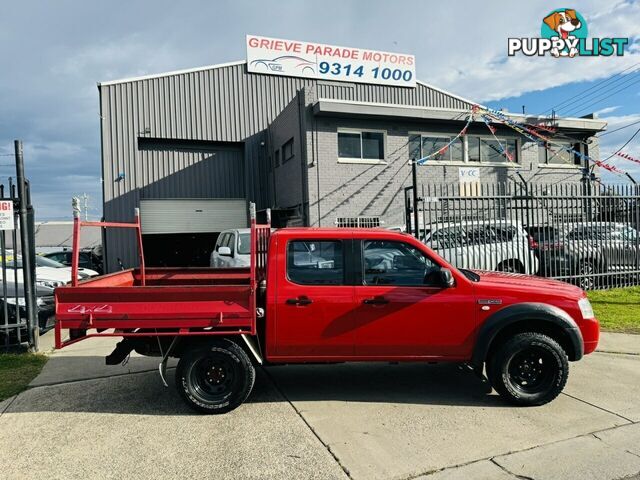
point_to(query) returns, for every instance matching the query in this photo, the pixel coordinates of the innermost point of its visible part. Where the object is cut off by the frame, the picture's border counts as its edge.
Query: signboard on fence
(6, 215)
(294, 58)
(469, 178)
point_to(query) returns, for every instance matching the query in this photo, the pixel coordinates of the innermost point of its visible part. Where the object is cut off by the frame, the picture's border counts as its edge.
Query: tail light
(532, 243)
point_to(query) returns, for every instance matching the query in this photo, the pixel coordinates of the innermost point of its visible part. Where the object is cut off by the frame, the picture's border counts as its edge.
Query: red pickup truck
(332, 295)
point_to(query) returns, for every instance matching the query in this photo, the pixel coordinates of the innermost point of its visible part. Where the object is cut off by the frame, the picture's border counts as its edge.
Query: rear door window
(315, 262)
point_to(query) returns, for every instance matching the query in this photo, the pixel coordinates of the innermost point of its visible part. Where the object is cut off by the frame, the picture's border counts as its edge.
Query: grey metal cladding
(220, 103)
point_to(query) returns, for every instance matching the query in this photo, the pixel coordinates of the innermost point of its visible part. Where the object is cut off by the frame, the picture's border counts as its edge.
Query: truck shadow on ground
(142, 393)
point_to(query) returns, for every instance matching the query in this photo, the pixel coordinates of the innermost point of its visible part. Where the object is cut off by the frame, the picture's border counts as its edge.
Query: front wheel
(529, 369)
(215, 378)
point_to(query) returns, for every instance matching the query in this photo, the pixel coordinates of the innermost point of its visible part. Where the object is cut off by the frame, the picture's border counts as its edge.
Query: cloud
(52, 62)
(604, 111)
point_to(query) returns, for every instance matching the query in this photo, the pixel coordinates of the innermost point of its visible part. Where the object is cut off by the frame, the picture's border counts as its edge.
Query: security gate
(21, 305)
(583, 233)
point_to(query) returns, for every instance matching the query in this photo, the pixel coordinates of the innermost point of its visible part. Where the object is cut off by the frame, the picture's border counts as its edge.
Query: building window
(287, 151)
(361, 147)
(277, 158)
(556, 153)
(358, 222)
(489, 150)
(423, 145)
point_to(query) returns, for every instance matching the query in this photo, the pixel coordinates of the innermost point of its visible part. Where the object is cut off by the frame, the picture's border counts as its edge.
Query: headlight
(21, 302)
(585, 308)
(12, 301)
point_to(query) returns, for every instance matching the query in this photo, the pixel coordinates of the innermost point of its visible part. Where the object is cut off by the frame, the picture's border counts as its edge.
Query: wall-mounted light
(120, 177)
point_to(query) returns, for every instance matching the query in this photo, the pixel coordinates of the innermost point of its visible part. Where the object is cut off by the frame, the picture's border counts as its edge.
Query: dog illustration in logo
(564, 22)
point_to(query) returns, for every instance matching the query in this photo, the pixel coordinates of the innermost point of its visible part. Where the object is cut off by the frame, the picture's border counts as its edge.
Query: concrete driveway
(81, 419)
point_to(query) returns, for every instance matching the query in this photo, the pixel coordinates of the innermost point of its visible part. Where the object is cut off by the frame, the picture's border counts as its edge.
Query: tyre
(528, 369)
(511, 266)
(215, 378)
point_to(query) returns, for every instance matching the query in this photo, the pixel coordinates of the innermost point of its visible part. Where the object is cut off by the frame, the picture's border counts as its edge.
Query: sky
(54, 53)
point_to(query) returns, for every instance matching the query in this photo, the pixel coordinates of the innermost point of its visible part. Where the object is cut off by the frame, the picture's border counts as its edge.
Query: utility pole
(27, 270)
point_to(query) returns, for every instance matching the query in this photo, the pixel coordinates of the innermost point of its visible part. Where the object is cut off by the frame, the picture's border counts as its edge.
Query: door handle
(375, 301)
(302, 300)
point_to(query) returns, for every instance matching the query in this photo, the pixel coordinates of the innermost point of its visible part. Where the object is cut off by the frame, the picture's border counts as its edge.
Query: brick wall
(351, 190)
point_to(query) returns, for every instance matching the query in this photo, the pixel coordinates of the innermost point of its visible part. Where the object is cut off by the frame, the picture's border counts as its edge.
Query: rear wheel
(511, 266)
(215, 378)
(529, 369)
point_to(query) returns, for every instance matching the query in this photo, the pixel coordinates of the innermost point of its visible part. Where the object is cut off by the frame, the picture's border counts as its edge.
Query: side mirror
(224, 251)
(446, 278)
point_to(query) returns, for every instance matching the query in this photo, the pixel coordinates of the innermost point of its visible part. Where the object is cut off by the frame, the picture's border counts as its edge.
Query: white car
(49, 273)
(232, 249)
(500, 245)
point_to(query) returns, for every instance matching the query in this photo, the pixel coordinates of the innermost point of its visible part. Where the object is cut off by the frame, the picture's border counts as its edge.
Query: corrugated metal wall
(224, 104)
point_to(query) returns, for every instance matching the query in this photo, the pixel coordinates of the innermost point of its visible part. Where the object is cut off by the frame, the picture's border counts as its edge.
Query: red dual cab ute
(334, 295)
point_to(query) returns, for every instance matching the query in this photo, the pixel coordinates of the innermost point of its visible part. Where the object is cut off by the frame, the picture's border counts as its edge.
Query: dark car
(45, 305)
(86, 259)
(583, 252)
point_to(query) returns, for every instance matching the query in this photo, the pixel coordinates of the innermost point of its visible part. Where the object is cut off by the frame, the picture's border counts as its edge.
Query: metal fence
(21, 305)
(586, 234)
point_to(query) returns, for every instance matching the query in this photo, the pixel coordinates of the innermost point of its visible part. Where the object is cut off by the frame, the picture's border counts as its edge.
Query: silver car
(232, 249)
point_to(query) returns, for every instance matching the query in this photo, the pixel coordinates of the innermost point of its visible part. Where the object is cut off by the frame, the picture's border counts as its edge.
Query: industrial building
(190, 148)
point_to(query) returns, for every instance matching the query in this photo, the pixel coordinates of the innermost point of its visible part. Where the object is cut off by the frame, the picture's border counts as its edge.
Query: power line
(590, 88)
(615, 84)
(590, 104)
(625, 144)
(621, 128)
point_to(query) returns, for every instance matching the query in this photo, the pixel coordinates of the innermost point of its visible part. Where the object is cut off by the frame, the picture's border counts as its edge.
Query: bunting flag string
(626, 156)
(490, 115)
(443, 150)
(546, 141)
(493, 130)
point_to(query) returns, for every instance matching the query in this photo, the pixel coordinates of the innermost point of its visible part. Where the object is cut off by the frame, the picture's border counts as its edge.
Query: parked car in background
(500, 245)
(582, 252)
(17, 312)
(616, 243)
(232, 249)
(42, 261)
(87, 258)
(578, 262)
(49, 274)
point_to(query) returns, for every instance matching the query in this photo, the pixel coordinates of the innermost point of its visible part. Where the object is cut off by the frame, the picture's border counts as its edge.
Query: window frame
(364, 161)
(345, 244)
(466, 148)
(360, 251)
(543, 155)
(285, 145)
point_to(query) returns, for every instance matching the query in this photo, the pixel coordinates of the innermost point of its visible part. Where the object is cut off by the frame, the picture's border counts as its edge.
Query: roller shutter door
(193, 215)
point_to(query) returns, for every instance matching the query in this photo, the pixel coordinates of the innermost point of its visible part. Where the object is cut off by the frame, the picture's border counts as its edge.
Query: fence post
(27, 259)
(414, 181)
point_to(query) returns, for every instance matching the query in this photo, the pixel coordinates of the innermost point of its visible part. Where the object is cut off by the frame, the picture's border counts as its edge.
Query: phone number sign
(293, 58)
(6, 215)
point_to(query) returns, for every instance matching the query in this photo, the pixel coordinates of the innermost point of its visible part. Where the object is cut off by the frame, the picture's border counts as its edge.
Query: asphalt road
(360, 421)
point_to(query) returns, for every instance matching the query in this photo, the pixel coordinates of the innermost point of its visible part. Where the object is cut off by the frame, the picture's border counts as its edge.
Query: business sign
(469, 174)
(6, 215)
(564, 33)
(327, 62)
